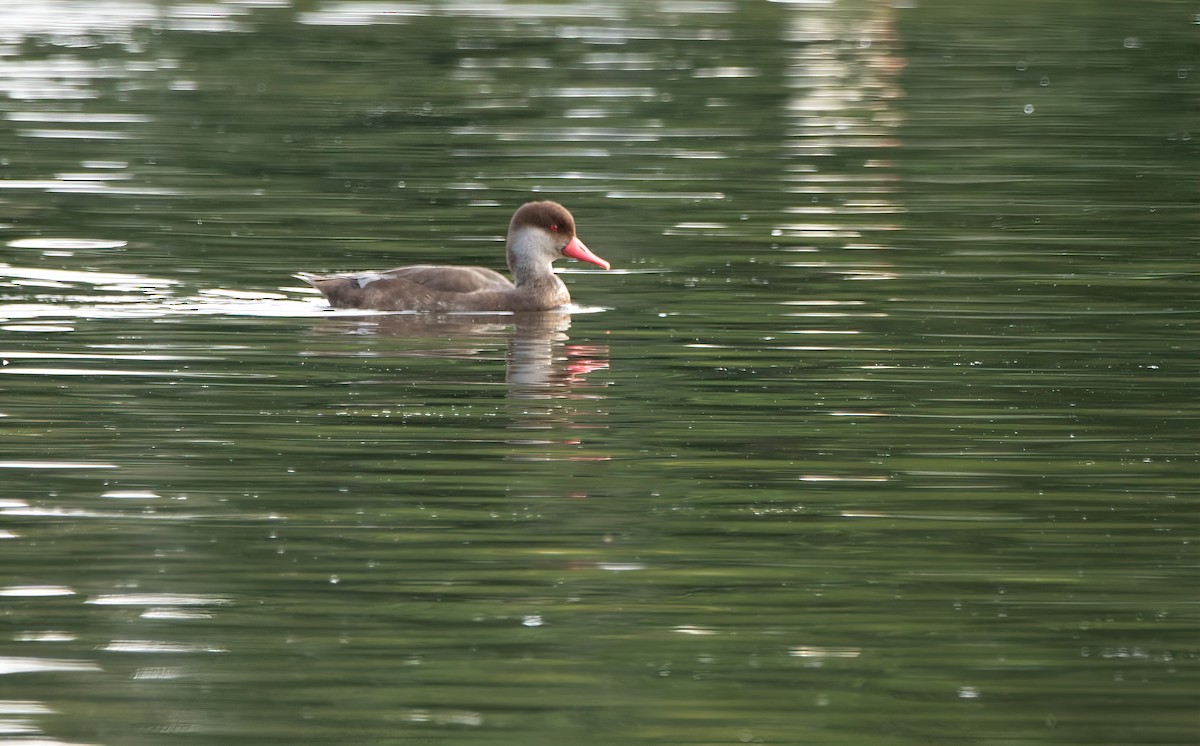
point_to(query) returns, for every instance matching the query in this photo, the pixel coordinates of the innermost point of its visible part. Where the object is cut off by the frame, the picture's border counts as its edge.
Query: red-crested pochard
(538, 234)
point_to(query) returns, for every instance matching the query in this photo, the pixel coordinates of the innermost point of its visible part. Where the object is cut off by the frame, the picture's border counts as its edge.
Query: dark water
(882, 430)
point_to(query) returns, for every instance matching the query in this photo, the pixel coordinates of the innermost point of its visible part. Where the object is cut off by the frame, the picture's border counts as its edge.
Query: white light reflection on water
(442, 717)
(157, 599)
(75, 117)
(814, 651)
(72, 23)
(125, 296)
(843, 85)
(65, 134)
(534, 11)
(129, 296)
(86, 186)
(19, 506)
(362, 14)
(158, 646)
(36, 591)
(64, 244)
(11, 665)
(20, 729)
(48, 635)
(110, 280)
(131, 495)
(97, 373)
(39, 328)
(359, 13)
(725, 72)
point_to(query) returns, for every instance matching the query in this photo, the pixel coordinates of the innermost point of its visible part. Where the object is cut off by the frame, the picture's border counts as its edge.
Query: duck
(539, 234)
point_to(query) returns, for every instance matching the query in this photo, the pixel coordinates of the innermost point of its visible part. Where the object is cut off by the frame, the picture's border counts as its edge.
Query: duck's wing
(448, 279)
(420, 287)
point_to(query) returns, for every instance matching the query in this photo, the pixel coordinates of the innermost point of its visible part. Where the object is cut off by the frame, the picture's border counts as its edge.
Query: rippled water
(881, 430)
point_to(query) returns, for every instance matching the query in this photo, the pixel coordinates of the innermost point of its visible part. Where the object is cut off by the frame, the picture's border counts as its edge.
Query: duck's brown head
(546, 228)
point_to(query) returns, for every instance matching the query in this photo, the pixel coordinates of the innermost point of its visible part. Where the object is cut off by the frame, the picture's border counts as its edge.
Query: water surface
(882, 430)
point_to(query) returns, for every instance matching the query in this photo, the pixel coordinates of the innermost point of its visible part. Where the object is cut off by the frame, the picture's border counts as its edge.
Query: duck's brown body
(539, 233)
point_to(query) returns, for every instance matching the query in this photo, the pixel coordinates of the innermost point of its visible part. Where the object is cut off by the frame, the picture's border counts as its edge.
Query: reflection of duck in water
(539, 234)
(539, 356)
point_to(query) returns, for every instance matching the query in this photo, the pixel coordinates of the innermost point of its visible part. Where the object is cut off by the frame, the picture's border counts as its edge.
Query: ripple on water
(106, 279)
(65, 244)
(53, 465)
(157, 646)
(132, 296)
(42, 328)
(32, 591)
(157, 599)
(131, 495)
(357, 13)
(14, 664)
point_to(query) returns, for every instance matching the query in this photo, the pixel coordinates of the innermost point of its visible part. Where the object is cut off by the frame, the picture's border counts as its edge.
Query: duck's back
(448, 279)
(422, 287)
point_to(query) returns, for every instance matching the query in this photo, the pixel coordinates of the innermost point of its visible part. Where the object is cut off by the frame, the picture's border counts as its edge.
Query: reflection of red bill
(583, 359)
(583, 367)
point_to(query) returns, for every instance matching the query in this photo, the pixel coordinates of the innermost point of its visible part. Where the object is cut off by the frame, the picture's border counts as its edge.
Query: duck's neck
(528, 252)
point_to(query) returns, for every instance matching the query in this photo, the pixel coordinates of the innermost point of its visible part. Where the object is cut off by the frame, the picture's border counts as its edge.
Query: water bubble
(1028, 108)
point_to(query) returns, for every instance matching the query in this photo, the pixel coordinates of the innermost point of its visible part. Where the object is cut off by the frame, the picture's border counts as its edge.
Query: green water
(881, 431)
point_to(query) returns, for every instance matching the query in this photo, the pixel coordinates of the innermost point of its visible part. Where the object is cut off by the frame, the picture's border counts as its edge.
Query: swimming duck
(538, 234)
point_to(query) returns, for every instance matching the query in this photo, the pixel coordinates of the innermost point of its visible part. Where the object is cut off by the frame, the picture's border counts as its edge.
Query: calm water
(881, 431)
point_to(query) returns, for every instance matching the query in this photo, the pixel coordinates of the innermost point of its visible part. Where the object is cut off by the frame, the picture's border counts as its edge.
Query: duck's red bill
(576, 250)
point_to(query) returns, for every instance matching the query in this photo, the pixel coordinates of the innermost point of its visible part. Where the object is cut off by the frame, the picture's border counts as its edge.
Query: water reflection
(842, 120)
(546, 375)
(378, 516)
(46, 295)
